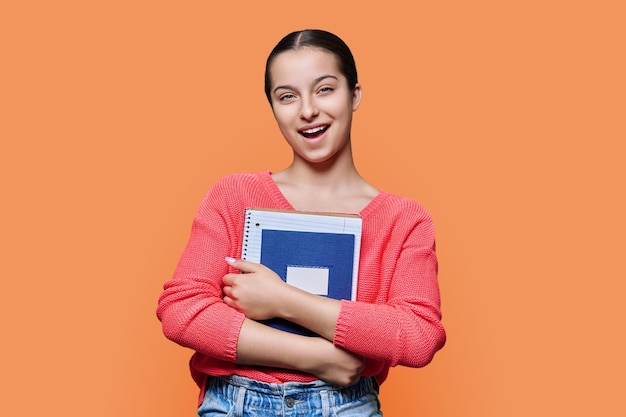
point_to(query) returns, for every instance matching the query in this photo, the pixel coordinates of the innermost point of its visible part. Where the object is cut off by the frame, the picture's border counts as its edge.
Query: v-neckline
(277, 194)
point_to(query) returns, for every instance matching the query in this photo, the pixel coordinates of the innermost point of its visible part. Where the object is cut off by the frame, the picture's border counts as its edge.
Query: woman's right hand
(333, 364)
(262, 345)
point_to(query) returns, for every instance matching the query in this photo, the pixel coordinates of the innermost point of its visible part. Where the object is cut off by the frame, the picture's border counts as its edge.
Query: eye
(287, 97)
(325, 90)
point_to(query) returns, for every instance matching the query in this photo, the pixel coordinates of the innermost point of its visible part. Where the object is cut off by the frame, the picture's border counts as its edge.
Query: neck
(336, 172)
(332, 186)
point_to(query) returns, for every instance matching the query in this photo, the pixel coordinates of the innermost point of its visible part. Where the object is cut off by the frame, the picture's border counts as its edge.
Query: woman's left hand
(256, 292)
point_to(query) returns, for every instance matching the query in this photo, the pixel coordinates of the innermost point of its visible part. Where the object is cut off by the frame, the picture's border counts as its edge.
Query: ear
(356, 96)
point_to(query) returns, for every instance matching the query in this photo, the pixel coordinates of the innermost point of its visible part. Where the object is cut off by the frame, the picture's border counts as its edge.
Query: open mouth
(314, 132)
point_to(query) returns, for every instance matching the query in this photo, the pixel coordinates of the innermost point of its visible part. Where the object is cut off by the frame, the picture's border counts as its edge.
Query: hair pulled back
(314, 38)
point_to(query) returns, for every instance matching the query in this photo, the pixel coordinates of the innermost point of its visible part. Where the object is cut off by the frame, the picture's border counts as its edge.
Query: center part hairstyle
(314, 38)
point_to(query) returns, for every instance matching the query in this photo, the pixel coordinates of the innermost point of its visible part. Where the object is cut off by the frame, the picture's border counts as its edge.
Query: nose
(308, 109)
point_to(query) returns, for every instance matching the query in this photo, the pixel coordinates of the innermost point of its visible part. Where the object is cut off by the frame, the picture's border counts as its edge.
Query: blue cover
(334, 251)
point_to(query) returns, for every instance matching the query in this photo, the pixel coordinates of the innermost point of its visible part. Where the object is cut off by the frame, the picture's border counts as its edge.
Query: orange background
(505, 119)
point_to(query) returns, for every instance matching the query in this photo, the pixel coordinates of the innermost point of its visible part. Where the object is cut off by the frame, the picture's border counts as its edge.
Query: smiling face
(313, 104)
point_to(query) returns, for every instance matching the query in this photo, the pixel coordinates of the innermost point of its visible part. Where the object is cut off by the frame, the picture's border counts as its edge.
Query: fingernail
(229, 260)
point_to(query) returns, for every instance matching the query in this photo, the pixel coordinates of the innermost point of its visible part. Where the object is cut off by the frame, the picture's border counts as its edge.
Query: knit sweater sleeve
(397, 318)
(191, 308)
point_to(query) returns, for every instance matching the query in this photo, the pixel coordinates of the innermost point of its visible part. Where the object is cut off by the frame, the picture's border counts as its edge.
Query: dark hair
(315, 38)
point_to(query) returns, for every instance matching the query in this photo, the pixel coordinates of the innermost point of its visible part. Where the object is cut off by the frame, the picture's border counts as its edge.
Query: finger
(243, 266)
(230, 303)
(229, 279)
(228, 291)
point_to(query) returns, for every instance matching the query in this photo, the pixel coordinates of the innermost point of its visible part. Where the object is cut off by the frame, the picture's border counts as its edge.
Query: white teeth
(314, 130)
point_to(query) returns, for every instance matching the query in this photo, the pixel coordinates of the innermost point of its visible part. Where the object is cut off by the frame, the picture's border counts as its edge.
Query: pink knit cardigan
(395, 320)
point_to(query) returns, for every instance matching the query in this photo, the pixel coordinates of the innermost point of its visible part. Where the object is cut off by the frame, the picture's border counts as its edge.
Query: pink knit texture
(395, 320)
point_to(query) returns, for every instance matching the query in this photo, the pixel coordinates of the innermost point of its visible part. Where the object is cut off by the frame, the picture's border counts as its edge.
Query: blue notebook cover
(289, 252)
(316, 252)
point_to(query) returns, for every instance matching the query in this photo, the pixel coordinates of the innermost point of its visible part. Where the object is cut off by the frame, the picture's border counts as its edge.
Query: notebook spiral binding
(246, 235)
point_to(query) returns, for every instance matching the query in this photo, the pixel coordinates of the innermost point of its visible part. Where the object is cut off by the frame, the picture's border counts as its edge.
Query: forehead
(303, 64)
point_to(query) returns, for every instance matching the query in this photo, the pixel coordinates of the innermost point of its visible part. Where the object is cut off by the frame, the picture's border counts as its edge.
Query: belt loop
(241, 396)
(325, 403)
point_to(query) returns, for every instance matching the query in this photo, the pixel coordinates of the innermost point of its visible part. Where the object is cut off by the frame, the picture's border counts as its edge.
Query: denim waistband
(230, 385)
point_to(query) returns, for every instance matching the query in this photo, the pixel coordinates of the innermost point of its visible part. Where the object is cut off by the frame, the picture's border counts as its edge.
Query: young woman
(215, 300)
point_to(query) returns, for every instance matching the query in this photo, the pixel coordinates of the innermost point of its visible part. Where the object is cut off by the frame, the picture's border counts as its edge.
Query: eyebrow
(315, 81)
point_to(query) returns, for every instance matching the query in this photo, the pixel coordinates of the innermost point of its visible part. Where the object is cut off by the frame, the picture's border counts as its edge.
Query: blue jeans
(239, 396)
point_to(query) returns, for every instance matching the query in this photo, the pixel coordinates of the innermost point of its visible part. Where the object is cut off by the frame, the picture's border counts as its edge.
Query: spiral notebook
(316, 252)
